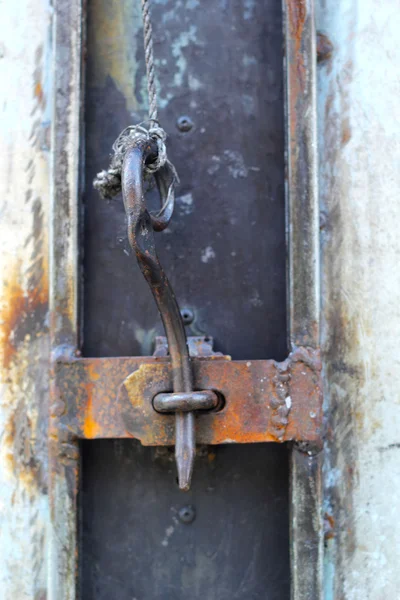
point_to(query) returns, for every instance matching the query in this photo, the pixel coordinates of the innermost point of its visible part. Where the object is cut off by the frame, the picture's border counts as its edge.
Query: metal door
(221, 75)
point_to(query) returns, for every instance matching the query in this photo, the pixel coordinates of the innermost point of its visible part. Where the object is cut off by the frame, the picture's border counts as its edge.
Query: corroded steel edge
(69, 43)
(265, 401)
(303, 289)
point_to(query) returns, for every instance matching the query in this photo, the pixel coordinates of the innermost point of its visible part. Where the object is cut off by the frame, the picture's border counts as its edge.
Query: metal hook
(140, 231)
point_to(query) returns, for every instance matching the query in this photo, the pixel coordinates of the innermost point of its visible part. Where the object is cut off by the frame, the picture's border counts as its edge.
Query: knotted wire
(108, 181)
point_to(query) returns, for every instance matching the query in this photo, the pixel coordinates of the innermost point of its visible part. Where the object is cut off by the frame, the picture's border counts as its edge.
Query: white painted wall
(359, 143)
(25, 106)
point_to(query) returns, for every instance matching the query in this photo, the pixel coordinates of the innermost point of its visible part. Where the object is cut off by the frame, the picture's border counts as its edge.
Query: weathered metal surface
(302, 193)
(305, 525)
(185, 401)
(198, 346)
(63, 440)
(137, 547)
(224, 251)
(265, 401)
(303, 280)
(68, 36)
(359, 146)
(26, 99)
(225, 257)
(359, 152)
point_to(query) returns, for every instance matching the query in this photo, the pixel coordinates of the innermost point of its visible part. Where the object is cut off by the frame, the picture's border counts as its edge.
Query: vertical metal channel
(64, 292)
(303, 278)
(303, 281)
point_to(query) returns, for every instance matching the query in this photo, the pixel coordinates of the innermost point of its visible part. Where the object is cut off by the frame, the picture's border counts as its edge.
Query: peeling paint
(359, 152)
(207, 254)
(113, 20)
(185, 203)
(177, 49)
(24, 337)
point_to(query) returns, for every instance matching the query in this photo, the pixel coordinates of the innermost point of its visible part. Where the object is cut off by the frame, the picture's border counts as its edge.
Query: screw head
(184, 123)
(187, 316)
(187, 514)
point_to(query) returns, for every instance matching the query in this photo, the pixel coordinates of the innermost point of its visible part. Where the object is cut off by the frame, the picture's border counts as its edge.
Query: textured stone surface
(359, 148)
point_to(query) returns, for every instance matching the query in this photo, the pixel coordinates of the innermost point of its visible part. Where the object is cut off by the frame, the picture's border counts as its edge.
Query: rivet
(187, 316)
(184, 123)
(187, 514)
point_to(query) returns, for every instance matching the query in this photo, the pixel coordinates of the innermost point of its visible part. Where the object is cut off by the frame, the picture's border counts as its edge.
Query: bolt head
(184, 123)
(187, 514)
(187, 316)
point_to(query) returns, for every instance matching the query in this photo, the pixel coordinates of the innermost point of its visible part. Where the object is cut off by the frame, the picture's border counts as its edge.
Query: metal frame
(303, 292)
(64, 279)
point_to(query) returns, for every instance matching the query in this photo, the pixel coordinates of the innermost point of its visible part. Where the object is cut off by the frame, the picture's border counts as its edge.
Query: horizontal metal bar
(185, 401)
(265, 401)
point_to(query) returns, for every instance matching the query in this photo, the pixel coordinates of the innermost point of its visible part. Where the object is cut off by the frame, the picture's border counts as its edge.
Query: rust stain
(38, 91)
(297, 11)
(19, 453)
(93, 374)
(297, 72)
(329, 527)
(22, 320)
(113, 398)
(91, 427)
(346, 131)
(324, 47)
(21, 315)
(115, 60)
(14, 310)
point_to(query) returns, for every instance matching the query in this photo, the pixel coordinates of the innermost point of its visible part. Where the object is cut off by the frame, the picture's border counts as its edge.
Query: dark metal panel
(220, 64)
(236, 547)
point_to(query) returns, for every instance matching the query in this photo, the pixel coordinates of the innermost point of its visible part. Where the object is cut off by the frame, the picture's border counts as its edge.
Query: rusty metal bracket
(264, 400)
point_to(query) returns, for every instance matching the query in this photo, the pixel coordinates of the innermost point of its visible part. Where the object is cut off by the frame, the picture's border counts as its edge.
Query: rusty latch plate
(265, 400)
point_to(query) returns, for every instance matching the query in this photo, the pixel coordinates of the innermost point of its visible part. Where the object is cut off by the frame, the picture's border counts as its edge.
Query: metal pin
(185, 448)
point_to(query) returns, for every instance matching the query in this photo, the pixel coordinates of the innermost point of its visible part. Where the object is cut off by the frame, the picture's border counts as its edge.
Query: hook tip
(184, 463)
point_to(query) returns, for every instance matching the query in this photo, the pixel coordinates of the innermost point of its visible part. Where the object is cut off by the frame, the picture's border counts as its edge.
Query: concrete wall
(26, 104)
(359, 148)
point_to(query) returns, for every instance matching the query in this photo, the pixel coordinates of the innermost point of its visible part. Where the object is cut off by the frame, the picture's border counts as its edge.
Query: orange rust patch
(18, 306)
(329, 527)
(94, 376)
(297, 11)
(346, 132)
(10, 315)
(90, 426)
(38, 91)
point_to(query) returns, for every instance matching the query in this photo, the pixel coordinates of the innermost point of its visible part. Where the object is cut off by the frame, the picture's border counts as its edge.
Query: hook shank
(141, 238)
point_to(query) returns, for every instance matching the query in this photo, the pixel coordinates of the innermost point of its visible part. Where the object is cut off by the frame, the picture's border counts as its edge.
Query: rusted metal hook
(141, 224)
